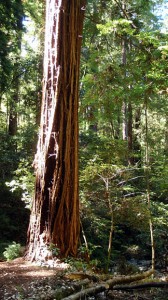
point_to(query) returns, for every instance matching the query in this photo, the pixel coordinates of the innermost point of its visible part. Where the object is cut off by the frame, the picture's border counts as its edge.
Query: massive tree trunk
(55, 212)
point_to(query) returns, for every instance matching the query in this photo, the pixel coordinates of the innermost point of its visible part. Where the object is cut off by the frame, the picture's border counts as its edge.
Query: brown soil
(19, 279)
(20, 274)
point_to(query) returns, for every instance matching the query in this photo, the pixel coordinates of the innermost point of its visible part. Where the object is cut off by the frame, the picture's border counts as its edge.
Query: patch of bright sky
(30, 39)
(162, 13)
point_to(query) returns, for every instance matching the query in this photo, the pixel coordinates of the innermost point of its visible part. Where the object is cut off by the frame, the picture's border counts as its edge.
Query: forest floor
(22, 280)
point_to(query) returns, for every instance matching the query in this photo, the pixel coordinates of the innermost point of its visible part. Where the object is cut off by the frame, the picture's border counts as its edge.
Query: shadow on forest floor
(20, 279)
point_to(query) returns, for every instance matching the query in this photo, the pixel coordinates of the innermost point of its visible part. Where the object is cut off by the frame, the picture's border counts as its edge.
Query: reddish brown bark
(55, 212)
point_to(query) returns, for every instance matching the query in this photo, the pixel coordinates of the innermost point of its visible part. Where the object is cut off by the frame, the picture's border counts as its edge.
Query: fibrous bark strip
(55, 212)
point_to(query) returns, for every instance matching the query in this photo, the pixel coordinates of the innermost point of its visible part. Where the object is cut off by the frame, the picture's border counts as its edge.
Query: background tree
(107, 83)
(20, 82)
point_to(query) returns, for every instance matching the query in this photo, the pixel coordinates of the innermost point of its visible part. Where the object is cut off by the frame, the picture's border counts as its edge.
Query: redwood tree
(55, 211)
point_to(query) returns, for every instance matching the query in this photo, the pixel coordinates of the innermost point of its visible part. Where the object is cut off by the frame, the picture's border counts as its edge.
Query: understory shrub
(13, 251)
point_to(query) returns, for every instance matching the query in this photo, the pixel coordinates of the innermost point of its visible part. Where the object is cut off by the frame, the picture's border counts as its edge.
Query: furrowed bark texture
(55, 212)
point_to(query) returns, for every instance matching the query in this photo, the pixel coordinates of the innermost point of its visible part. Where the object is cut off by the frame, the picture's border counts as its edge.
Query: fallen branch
(87, 292)
(79, 276)
(107, 285)
(142, 285)
(128, 279)
(75, 288)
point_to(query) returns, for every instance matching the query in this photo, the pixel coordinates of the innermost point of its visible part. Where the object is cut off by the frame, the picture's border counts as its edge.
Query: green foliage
(14, 216)
(54, 249)
(8, 158)
(86, 253)
(3, 246)
(23, 181)
(11, 28)
(12, 251)
(76, 264)
(121, 25)
(108, 81)
(160, 216)
(20, 92)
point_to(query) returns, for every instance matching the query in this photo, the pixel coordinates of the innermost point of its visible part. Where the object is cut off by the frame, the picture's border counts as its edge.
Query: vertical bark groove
(55, 212)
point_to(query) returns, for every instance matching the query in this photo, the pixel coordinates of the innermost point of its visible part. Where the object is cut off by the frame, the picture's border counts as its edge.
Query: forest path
(20, 276)
(23, 280)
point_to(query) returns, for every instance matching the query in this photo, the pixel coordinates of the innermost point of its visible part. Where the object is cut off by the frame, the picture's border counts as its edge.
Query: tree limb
(142, 285)
(107, 285)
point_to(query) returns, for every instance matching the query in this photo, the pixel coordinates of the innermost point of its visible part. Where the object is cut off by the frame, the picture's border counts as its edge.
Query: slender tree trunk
(124, 105)
(111, 231)
(55, 212)
(13, 103)
(12, 129)
(106, 181)
(166, 137)
(124, 121)
(136, 144)
(130, 136)
(147, 165)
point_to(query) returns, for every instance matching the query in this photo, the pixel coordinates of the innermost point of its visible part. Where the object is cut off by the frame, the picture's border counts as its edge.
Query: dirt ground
(20, 274)
(21, 280)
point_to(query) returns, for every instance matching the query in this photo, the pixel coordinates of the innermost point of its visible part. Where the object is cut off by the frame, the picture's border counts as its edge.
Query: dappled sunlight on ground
(19, 273)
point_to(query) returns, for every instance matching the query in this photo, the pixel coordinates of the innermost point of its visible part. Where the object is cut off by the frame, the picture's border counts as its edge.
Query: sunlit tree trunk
(147, 177)
(124, 105)
(130, 135)
(106, 181)
(55, 212)
(136, 144)
(41, 41)
(127, 114)
(166, 136)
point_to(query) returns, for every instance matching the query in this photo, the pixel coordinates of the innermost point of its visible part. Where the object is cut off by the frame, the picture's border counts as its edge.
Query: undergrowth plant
(12, 251)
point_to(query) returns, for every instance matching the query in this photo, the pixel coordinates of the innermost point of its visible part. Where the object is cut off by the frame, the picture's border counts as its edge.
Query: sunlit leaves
(107, 83)
(119, 26)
